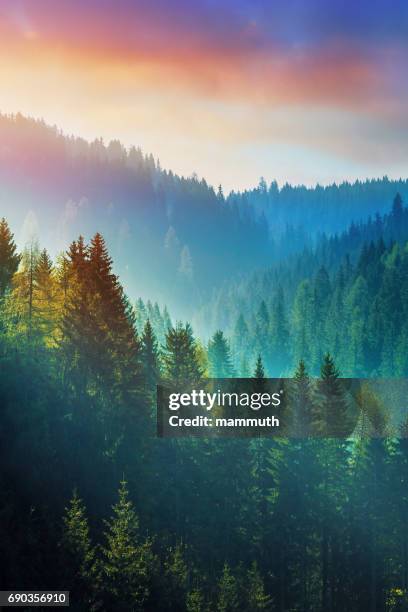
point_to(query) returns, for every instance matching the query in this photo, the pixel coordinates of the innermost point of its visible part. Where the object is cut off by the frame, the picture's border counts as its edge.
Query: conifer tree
(228, 595)
(141, 315)
(279, 335)
(20, 307)
(45, 311)
(9, 259)
(128, 563)
(176, 578)
(99, 330)
(262, 332)
(257, 598)
(219, 356)
(150, 356)
(80, 560)
(180, 359)
(303, 327)
(301, 408)
(195, 601)
(239, 343)
(259, 369)
(331, 412)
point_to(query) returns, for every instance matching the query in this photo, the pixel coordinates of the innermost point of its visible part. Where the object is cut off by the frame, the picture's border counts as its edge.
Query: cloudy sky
(294, 90)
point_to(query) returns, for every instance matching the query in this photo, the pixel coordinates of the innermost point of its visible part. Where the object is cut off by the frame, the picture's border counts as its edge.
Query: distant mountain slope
(320, 209)
(173, 239)
(346, 250)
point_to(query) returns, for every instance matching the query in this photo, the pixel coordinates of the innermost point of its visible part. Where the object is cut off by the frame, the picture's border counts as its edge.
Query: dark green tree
(180, 359)
(259, 372)
(219, 356)
(9, 258)
(80, 561)
(301, 407)
(228, 599)
(128, 563)
(331, 411)
(150, 356)
(257, 597)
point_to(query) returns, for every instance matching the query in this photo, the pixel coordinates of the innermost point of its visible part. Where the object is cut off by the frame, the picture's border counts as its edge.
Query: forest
(92, 501)
(196, 239)
(347, 295)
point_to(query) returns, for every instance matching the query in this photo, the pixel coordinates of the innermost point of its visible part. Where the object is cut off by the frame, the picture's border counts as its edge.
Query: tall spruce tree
(128, 562)
(9, 258)
(80, 561)
(150, 357)
(219, 356)
(259, 372)
(228, 593)
(301, 407)
(331, 411)
(45, 306)
(181, 364)
(20, 304)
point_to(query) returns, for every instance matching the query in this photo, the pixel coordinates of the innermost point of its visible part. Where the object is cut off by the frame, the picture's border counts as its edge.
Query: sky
(302, 91)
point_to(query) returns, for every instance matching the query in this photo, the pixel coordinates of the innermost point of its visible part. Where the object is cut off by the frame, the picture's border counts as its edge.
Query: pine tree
(301, 408)
(176, 578)
(181, 365)
(240, 343)
(303, 325)
(228, 597)
(331, 412)
(45, 307)
(99, 332)
(279, 335)
(257, 598)
(19, 306)
(150, 356)
(128, 563)
(80, 560)
(321, 301)
(259, 372)
(195, 601)
(262, 323)
(219, 356)
(141, 315)
(9, 259)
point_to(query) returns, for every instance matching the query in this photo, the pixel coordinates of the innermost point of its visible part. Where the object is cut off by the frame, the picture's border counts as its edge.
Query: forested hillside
(313, 210)
(92, 501)
(58, 187)
(348, 295)
(193, 237)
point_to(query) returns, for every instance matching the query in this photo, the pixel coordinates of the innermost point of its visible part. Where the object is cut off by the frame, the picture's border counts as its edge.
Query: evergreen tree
(257, 598)
(150, 356)
(262, 321)
(20, 303)
(195, 601)
(228, 596)
(176, 578)
(331, 412)
(301, 408)
(259, 369)
(128, 564)
(180, 360)
(279, 335)
(219, 356)
(240, 341)
(80, 562)
(303, 328)
(9, 259)
(45, 307)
